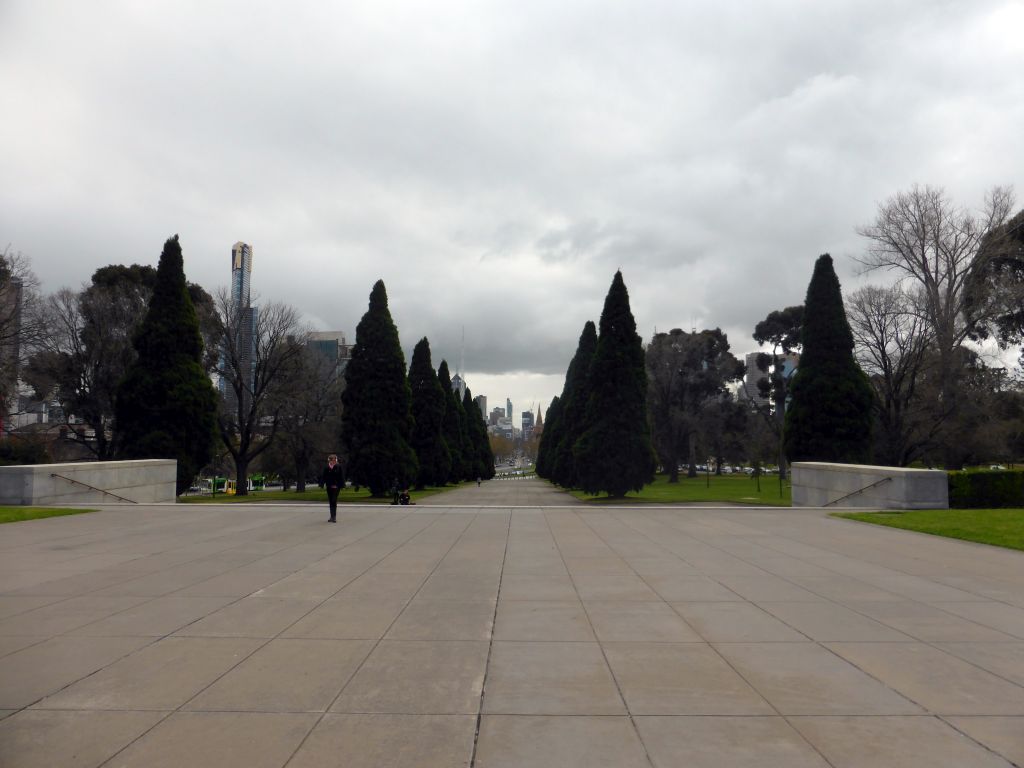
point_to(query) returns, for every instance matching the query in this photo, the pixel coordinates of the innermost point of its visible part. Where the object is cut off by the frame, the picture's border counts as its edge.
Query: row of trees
(597, 436)
(892, 374)
(401, 430)
(131, 356)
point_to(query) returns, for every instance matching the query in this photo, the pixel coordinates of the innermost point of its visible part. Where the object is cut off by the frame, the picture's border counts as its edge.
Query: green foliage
(453, 428)
(377, 416)
(166, 406)
(483, 457)
(614, 453)
(998, 527)
(428, 403)
(830, 413)
(730, 489)
(549, 438)
(991, 489)
(18, 514)
(20, 451)
(575, 396)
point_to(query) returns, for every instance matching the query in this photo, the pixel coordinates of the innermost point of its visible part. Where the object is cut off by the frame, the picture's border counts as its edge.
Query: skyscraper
(245, 317)
(241, 270)
(508, 408)
(527, 424)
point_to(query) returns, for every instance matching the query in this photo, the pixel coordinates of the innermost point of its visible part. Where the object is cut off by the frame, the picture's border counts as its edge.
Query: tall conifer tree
(452, 428)
(482, 454)
(614, 453)
(428, 403)
(377, 417)
(829, 415)
(549, 438)
(166, 407)
(576, 394)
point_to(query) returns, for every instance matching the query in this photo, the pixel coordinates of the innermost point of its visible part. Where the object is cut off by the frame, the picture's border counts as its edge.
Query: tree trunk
(673, 467)
(692, 451)
(241, 477)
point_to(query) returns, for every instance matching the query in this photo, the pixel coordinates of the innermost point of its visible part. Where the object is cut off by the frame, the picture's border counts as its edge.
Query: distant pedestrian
(478, 482)
(333, 478)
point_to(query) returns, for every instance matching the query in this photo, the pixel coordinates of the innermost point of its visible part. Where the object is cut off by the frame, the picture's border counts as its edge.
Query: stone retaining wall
(860, 486)
(144, 481)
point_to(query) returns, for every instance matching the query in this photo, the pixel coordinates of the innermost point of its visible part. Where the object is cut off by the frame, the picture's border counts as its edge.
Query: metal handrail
(859, 490)
(92, 487)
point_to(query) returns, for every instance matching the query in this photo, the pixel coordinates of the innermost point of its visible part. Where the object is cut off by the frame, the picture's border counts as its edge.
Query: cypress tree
(614, 453)
(830, 410)
(452, 429)
(166, 407)
(377, 419)
(576, 394)
(483, 464)
(549, 438)
(428, 404)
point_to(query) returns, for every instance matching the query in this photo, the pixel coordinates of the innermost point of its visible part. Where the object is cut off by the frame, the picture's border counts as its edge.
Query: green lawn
(1001, 527)
(17, 514)
(311, 494)
(739, 489)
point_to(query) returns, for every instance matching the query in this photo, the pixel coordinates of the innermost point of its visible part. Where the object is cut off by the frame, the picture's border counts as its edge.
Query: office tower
(241, 271)
(481, 403)
(508, 408)
(527, 424)
(246, 316)
(459, 385)
(332, 347)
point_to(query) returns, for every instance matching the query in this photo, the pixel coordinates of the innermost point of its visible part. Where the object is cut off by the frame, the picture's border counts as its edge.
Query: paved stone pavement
(486, 634)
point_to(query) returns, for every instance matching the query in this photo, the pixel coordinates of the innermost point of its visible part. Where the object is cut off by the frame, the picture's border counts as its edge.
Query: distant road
(522, 492)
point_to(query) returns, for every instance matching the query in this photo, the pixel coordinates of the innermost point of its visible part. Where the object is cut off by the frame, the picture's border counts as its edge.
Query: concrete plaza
(504, 627)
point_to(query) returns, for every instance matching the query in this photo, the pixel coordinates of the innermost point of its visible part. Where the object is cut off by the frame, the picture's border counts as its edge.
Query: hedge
(986, 490)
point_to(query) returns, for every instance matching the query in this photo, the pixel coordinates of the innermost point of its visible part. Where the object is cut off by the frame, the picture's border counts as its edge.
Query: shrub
(15, 451)
(986, 490)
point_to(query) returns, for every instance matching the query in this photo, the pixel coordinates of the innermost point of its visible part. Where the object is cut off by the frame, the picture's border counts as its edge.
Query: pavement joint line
(377, 642)
(490, 647)
(715, 650)
(600, 645)
(822, 644)
(257, 648)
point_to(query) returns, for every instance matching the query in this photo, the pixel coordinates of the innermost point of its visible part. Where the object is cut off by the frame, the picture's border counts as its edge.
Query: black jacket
(333, 477)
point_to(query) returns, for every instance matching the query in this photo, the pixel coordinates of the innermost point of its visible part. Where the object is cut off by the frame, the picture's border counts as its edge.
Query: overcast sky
(495, 163)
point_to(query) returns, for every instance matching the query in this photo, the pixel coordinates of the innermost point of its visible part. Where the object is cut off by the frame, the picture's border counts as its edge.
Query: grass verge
(18, 514)
(312, 495)
(731, 489)
(999, 527)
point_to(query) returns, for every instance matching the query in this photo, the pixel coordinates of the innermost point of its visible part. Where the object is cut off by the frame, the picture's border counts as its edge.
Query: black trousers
(332, 499)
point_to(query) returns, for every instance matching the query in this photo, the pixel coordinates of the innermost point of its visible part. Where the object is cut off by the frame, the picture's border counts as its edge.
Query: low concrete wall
(143, 481)
(819, 484)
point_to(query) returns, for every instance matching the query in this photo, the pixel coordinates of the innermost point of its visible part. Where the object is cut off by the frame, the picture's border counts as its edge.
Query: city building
(748, 390)
(11, 297)
(481, 403)
(332, 347)
(496, 414)
(527, 421)
(508, 408)
(459, 385)
(246, 317)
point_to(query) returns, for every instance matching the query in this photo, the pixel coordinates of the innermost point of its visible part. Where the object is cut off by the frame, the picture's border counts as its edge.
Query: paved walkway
(496, 636)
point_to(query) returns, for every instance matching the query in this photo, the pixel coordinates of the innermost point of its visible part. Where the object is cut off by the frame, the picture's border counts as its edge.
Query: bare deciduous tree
(928, 240)
(891, 338)
(260, 353)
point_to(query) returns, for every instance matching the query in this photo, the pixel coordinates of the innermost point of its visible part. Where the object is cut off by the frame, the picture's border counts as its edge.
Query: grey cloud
(496, 163)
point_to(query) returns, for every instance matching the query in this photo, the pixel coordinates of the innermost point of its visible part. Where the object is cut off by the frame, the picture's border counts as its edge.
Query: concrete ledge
(861, 486)
(143, 481)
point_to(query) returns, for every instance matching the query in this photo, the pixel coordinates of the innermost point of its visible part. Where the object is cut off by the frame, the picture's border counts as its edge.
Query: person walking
(333, 478)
